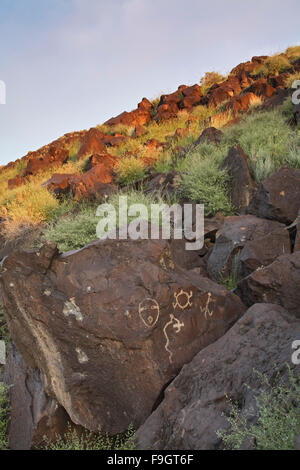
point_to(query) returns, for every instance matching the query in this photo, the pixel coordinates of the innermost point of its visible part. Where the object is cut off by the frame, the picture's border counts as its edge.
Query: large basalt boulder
(92, 143)
(262, 88)
(196, 401)
(210, 134)
(55, 156)
(278, 283)
(34, 416)
(242, 184)
(278, 198)
(232, 238)
(110, 325)
(137, 117)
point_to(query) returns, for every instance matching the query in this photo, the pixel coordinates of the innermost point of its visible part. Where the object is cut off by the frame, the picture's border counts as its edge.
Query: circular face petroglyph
(149, 312)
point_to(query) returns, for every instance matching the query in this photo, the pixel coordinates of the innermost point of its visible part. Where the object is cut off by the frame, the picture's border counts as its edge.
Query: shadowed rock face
(278, 197)
(278, 283)
(191, 413)
(110, 325)
(235, 234)
(34, 415)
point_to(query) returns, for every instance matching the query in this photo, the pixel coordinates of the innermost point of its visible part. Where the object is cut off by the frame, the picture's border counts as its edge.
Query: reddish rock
(139, 116)
(232, 238)
(262, 88)
(218, 97)
(60, 183)
(139, 131)
(55, 156)
(196, 403)
(92, 143)
(166, 112)
(103, 317)
(242, 184)
(241, 103)
(16, 182)
(278, 197)
(110, 161)
(277, 283)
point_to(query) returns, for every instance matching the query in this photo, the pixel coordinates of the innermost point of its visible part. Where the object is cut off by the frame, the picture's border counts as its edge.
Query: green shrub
(210, 79)
(90, 441)
(293, 53)
(75, 230)
(204, 182)
(4, 416)
(130, 170)
(268, 140)
(278, 417)
(273, 65)
(4, 333)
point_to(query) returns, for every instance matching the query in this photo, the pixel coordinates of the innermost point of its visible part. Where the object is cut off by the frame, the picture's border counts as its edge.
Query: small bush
(210, 79)
(291, 79)
(73, 231)
(268, 140)
(273, 65)
(278, 417)
(4, 416)
(130, 170)
(4, 333)
(293, 53)
(204, 182)
(90, 441)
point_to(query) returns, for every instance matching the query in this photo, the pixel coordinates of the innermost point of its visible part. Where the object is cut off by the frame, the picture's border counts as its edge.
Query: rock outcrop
(34, 417)
(194, 403)
(110, 325)
(233, 238)
(278, 283)
(278, 197)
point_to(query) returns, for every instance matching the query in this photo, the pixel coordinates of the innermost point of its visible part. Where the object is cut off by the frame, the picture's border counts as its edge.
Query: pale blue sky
(72, 64)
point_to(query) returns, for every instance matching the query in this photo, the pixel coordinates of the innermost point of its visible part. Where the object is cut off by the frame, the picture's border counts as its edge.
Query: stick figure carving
(149, 312)
(177, 325)
(206, 310)
(183, 300)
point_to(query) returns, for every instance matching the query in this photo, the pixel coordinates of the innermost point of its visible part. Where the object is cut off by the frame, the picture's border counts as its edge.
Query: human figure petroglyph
(149, 312)
(205, 310)
(177, 325)
(181, 297)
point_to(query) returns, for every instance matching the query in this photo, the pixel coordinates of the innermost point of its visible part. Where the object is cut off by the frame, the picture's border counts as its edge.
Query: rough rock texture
(191, 412)
(231, 239)
(34, 415)
(263, 251)
(278, 197)
(210, 134)
(278, 283)
(241, 181)
(110, 325)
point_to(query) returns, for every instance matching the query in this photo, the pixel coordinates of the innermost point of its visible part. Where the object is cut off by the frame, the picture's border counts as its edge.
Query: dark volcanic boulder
(210, 134)
(241, 181)
(33, 415)
(110, 325)
(278, 283)
(278, 198)
(231, 239)
(191, 412)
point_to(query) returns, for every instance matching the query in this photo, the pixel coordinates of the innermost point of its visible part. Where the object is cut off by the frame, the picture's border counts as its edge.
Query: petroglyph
(149, 312)
(206, 310)
(183, 300)
(177, 325)
(70, 308)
